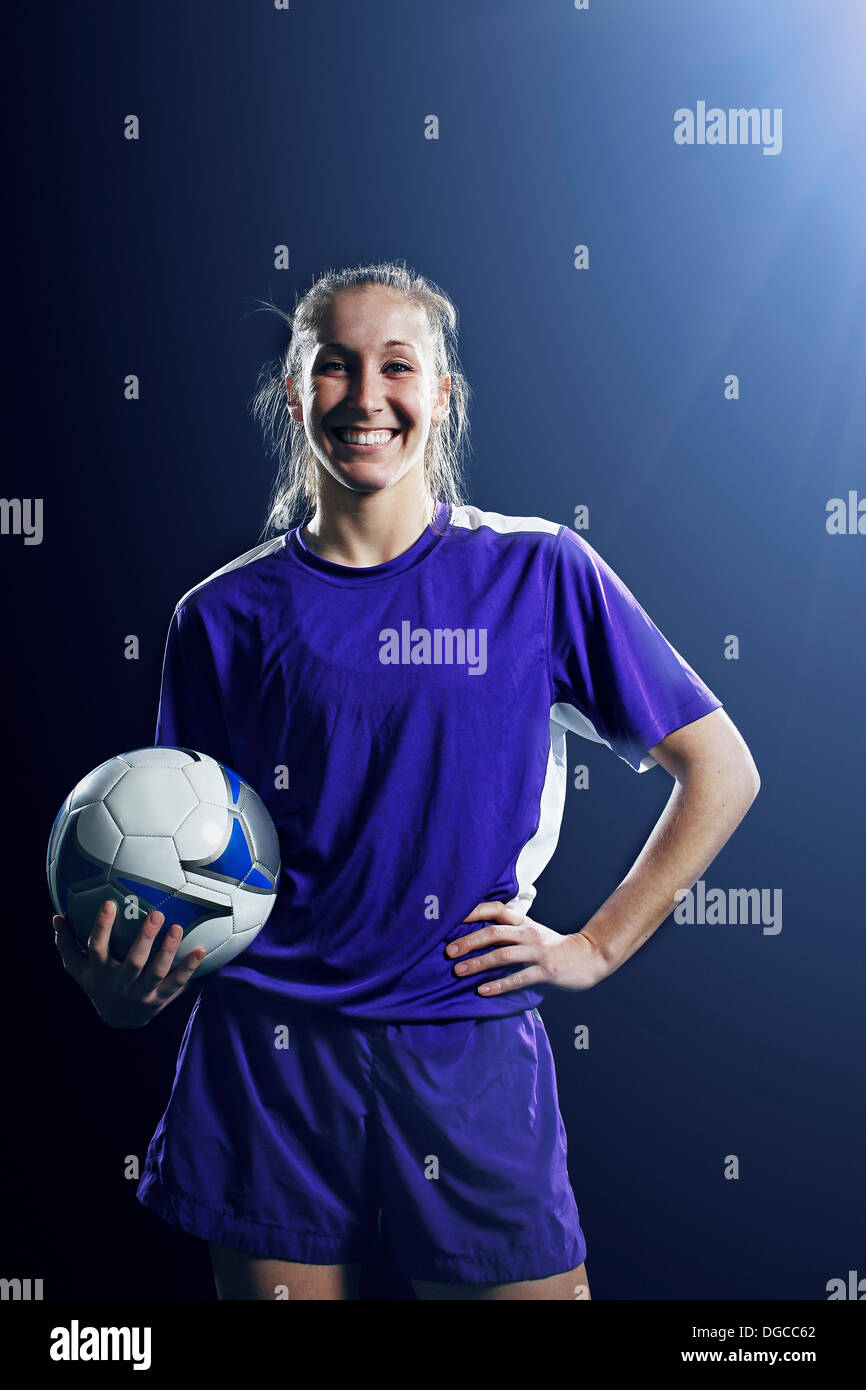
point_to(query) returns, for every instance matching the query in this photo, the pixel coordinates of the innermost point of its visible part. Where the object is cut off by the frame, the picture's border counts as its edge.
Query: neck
(367, 528)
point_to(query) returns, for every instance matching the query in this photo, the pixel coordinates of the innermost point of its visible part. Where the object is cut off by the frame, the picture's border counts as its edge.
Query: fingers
(522, 980)
(160, 977)
(176, 982)
(491, 960)
(162, 961)
(497, 911)
(127, 993)
(483, 911)
(98, 941)
(520, 930)
(524, 951)
(138, 954)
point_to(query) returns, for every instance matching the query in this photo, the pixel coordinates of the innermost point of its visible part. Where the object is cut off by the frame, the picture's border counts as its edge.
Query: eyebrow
(392, 342)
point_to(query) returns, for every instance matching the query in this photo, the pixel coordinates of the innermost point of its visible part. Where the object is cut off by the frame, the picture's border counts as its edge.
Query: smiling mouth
(364, 439)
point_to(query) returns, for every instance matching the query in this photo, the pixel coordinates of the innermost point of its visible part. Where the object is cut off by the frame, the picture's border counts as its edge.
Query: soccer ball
(172, 829)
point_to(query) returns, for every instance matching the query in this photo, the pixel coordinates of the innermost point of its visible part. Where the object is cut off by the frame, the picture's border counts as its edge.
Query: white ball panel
(151, 800)
(236, 943)
(98, 834)
(158, 757)
(206, 891)
(211, 935)
(203, 832)
(207, 781)
(251, 909)
(98, 783)
(152, 858)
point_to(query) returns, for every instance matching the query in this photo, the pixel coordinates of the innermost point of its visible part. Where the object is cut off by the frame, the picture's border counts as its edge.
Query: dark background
(261, 127)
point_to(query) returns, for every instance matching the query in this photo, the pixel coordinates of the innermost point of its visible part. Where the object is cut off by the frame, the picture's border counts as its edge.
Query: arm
(716, 783)
(613, 671)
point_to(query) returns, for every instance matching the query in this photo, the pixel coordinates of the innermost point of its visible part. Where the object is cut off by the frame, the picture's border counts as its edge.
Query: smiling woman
(368, 416)
(414, 1096)
(416, 340)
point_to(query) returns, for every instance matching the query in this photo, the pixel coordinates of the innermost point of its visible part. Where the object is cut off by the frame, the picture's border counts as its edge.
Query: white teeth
(373, 437)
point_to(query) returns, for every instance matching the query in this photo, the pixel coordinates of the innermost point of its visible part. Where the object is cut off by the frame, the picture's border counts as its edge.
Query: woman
(395, 678)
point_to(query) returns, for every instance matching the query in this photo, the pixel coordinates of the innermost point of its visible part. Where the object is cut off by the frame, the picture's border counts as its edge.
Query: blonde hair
(293, 494)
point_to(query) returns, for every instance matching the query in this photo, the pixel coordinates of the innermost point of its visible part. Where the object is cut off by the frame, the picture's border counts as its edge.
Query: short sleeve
(615, 678)
(190, 711)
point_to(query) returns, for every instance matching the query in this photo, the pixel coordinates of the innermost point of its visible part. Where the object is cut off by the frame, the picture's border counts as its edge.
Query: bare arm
(716, 783)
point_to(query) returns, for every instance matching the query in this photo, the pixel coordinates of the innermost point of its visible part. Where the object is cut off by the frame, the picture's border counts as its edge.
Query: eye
(336, 363)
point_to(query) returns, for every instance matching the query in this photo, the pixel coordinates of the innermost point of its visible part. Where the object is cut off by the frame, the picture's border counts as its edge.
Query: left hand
(551, 958)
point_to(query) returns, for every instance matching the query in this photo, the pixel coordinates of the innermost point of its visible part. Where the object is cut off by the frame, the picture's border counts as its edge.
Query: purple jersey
(405, 724)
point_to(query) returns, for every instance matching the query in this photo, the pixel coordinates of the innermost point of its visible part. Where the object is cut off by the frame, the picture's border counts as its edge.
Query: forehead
(371, 317)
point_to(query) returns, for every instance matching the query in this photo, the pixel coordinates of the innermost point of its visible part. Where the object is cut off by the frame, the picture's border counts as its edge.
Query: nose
(364, 389)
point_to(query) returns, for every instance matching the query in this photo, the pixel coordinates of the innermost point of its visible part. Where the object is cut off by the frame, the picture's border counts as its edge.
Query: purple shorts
(300, 1136)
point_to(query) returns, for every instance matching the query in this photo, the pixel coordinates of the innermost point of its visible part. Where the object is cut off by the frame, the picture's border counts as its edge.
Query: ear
(295, 408)
(443, 395)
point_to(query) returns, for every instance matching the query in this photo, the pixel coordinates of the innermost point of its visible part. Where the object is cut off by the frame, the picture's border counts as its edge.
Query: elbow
(742, 770)
(734, 778)
(750, 779)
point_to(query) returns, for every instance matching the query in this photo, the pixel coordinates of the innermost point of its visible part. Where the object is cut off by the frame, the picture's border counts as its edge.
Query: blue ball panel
(236, 860)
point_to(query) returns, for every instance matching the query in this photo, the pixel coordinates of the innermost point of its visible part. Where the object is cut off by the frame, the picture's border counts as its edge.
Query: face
(369, 393)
